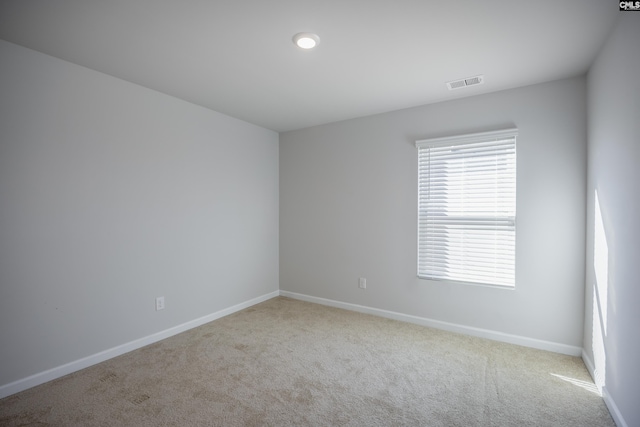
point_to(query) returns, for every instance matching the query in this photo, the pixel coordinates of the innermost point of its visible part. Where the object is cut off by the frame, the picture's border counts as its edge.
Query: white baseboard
(589, 364)
(60, 371)
(608, 400)
(613, 408)
(438, 324)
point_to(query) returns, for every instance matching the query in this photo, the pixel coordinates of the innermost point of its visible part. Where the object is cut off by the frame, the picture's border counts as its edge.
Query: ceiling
(237, 57)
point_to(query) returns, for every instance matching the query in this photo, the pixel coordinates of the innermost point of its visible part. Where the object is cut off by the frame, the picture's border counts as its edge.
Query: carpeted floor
(290, 363)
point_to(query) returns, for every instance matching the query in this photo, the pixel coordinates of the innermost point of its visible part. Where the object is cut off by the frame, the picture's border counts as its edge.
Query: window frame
(427, 251)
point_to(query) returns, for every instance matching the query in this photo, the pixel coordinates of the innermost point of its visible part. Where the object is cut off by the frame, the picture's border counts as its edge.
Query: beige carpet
(291, 363)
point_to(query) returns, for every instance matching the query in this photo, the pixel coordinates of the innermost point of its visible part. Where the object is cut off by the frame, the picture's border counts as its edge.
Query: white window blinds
(467, 208)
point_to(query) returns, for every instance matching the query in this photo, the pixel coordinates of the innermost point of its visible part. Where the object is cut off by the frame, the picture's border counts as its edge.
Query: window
(467, 208)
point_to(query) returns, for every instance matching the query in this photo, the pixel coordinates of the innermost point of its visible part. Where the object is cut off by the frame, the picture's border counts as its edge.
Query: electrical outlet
(362, 283)
(159, 303)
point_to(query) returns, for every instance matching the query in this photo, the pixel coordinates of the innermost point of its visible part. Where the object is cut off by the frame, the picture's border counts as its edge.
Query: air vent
(469, 81)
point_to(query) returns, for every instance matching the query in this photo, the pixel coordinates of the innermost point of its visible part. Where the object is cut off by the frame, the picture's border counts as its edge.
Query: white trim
(589, 364)
(85, 362)
(438, 324)
(608, 400)
(613, 408)
(469, 138)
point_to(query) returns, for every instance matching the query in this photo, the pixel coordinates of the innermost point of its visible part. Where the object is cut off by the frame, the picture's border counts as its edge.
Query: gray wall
(111, 195)
(348, 209)
(612, 314)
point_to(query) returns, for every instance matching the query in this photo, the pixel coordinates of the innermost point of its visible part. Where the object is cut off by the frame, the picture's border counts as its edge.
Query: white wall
(112, 194)
(612, 318)
(348, 209)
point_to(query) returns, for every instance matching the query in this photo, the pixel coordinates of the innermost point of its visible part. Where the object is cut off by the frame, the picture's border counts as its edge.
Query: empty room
(336, 213)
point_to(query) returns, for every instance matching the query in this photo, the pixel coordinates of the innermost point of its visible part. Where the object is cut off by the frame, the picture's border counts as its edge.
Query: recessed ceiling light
(306, 40)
